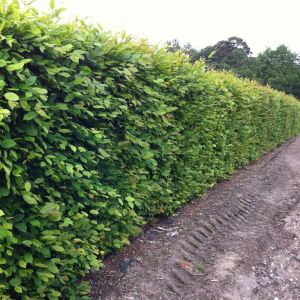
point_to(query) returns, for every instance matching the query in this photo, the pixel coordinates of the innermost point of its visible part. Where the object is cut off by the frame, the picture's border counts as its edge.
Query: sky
(261, 23)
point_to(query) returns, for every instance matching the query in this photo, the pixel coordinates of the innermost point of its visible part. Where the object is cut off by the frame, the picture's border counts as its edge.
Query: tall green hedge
(99, 133)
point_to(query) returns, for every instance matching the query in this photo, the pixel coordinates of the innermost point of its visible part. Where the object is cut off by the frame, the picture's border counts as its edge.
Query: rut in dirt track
(238, 242)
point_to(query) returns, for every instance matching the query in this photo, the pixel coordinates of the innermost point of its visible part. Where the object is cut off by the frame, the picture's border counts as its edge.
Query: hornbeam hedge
(100, 133)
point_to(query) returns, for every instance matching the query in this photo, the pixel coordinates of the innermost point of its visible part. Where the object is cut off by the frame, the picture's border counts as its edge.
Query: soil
(239, 241)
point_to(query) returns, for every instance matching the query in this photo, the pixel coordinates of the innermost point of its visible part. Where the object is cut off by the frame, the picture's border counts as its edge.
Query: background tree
(227, 54)
(279, 68)
(193, 53)
(173, 45)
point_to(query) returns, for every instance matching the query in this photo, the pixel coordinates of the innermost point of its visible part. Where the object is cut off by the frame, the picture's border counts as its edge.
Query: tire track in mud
(243, 213)
(180, 281)
(195, 246)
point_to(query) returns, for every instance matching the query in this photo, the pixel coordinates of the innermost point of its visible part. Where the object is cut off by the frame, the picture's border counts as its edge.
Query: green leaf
(30, 80)
(130, 201)
(27, 186)
(40, 91)
(17, 66)
(58, 248)
(29, 199)
(39, 180)
(1, 213)
(2, 84)
(15, 281)
(48, 208)
(36, 223)
(28, 257)
(18, 289)
(4, 232)
(3, 63)
(4, 111)
(2, 261)
(8, 143)
(22, 264)
(32, 131)
(64, 130)
(103, 153)
(21, 226)
(4, 191)
(12, 104)
(53, 268)
(70, 169)
(52, 4)
(41, 113)
(117, 243)
(11, 96)
(29, 116)
(7, 225)
(51, 210)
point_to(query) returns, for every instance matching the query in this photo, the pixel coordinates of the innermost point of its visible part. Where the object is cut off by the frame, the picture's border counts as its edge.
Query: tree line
(278, 68)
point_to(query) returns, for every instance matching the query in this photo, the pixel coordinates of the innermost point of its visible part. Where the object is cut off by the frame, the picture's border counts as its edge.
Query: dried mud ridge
(238, 242)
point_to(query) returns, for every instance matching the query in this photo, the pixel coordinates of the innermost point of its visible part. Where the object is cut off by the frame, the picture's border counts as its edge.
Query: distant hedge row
(100, 133)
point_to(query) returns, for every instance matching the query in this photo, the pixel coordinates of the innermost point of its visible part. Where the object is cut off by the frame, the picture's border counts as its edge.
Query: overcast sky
(261, 23)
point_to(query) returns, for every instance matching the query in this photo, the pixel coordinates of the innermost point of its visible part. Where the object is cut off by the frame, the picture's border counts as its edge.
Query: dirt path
(240, 241)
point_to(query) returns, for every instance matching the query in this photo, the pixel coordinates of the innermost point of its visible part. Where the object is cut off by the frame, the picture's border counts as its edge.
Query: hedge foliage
(101, 132)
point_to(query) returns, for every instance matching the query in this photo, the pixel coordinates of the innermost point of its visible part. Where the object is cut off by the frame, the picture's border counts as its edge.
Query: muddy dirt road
(240, 241)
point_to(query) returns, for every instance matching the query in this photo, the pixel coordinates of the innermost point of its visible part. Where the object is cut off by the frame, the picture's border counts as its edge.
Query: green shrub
(99, 133)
